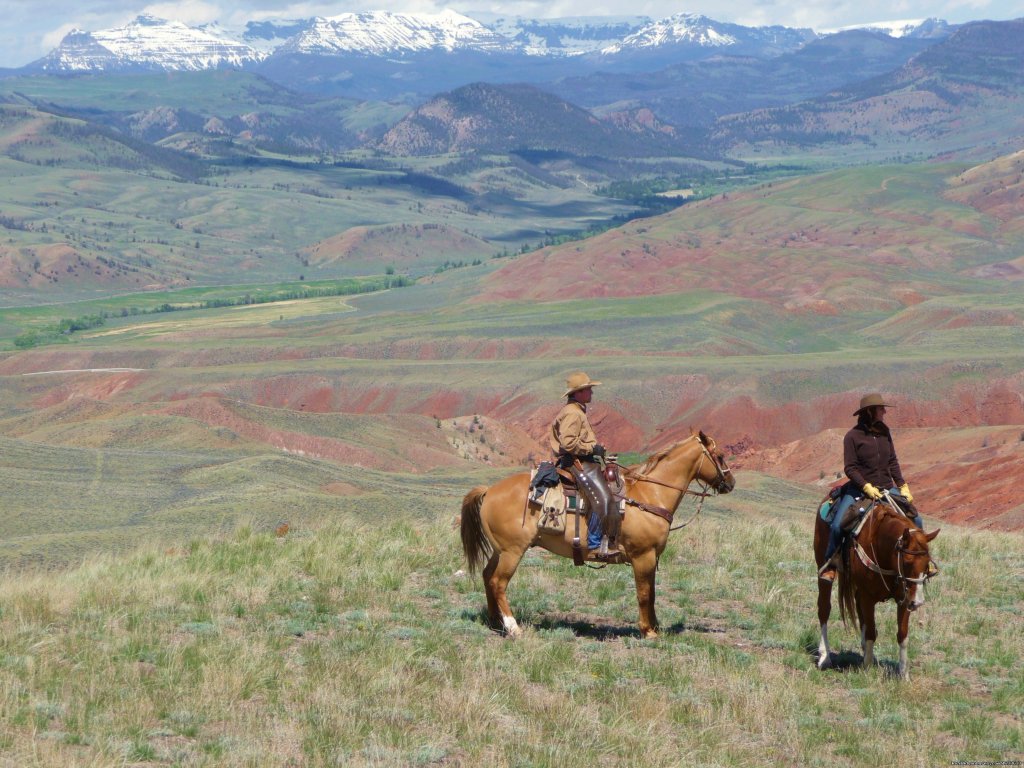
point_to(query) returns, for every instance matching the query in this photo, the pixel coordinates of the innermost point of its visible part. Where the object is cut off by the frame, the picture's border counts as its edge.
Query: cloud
(52, 39)
(191, 12)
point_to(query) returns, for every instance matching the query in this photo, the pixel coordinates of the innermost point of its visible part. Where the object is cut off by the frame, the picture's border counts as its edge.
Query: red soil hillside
(403, 246)
(997, 190)
(967, 476)
(43, 265)
(875, 238)
(961, 448)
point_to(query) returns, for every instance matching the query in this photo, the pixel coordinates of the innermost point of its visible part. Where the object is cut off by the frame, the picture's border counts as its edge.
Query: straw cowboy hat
(871, 400)
(578, 381)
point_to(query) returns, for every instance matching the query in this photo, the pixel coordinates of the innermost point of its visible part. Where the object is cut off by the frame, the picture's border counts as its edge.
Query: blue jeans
(594, 529)
(850, 494)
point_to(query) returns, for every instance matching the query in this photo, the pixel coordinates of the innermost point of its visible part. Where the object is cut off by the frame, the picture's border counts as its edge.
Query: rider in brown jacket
(576, 448)
(869, 460)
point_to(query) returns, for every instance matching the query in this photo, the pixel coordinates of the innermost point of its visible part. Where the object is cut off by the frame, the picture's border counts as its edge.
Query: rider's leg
(835, 533)
(591, 481)
(594, 527)
(917, 519)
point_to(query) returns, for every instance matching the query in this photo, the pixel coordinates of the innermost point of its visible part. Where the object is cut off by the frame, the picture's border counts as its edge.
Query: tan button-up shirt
(571, 432)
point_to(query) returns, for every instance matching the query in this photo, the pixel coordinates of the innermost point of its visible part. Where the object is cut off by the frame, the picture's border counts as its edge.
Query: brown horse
(887, 560)
(497, 526)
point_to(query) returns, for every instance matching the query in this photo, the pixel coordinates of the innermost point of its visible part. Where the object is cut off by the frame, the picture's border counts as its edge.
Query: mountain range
(381, 54)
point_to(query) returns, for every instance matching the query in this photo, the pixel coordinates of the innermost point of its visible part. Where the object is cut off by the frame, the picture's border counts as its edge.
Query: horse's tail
(847, 594)
(474, 542)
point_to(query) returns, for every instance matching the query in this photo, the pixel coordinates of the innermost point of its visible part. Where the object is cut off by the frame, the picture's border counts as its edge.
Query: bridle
(721, 484)
(901, 580)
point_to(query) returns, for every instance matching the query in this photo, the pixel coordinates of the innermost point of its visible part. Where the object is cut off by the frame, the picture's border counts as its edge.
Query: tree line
(64, 328)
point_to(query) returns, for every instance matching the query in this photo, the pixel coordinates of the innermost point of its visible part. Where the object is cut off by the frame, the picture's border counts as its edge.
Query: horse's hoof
(650, 634)
(511, 628)
(824, 662)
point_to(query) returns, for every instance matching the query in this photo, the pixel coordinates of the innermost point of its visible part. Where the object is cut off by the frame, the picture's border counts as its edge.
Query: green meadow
(358, 639)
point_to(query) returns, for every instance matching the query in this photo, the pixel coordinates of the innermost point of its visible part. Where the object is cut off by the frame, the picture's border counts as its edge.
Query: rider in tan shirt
(575, 447)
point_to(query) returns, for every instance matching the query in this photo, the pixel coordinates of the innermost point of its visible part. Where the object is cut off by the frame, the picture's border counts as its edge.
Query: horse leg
(644, 569)
(497, 574)
(868, 632)
(902, 630)
(492, 603)
(821, 533)
(824, 611)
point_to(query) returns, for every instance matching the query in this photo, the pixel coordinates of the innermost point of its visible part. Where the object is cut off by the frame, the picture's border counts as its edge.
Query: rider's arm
(850, 464)
(894, 466)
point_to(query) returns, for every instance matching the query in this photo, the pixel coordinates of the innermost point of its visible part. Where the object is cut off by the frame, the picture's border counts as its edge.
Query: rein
(668, 514)
(900, 580)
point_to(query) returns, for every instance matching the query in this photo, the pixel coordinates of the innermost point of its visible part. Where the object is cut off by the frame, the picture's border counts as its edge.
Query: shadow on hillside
(582, 626)
(851, 661)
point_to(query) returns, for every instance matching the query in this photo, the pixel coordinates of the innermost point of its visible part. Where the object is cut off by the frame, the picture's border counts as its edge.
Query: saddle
(554, 490)
(855, 518)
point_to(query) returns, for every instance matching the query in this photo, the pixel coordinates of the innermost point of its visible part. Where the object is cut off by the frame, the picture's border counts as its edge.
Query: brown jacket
(870, 456)
(571, 432)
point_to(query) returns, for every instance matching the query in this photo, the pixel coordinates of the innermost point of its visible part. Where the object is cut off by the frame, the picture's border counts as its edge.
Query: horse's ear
(932, 535)
(703, 437)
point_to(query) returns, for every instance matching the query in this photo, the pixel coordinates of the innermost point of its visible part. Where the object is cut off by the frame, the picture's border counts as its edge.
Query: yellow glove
(905, 493)
(871, 492)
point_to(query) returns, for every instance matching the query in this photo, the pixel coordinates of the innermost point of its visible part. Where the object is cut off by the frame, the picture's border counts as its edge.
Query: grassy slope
(359, 640)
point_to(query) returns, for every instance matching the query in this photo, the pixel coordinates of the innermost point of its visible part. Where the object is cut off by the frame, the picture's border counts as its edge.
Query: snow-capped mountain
(382, 33)
(919, 28)
(682, 27)
(382, 55)
(147, 43)
(568, 36)
(696, 31)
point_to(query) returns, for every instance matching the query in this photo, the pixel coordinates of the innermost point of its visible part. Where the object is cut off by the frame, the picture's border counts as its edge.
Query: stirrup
(829, 569)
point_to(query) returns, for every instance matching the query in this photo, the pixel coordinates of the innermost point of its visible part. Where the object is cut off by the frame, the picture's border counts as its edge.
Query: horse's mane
(654, 458)
(888, 512)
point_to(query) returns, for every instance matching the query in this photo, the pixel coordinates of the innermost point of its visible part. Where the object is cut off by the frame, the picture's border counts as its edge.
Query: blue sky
(33, 27)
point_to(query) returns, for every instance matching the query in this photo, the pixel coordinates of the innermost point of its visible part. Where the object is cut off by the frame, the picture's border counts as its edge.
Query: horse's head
(912, 564)
(712, 469)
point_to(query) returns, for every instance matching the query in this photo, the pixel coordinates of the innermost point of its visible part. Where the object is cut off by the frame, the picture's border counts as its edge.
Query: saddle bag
(552, 510)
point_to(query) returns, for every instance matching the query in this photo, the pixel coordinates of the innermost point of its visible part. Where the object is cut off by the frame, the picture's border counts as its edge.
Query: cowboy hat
(869, 401)
(578, 381)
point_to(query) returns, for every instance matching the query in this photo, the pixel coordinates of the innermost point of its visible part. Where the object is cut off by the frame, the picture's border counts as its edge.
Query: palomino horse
(887, 560)
(497, 526)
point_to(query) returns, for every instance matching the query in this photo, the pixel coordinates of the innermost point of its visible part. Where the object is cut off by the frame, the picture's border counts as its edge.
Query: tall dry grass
(362, 642)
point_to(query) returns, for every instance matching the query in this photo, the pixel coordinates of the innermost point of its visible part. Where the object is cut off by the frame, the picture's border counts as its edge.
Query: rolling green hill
(245, 113)
(87, 211)
(504, 118)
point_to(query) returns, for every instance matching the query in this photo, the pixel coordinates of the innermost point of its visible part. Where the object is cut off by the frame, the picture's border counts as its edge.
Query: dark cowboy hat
(870, 400)
(578, 381)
